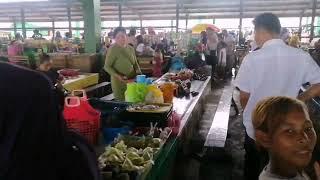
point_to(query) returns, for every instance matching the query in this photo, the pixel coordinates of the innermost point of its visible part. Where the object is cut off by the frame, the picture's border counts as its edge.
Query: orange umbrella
(197, 29)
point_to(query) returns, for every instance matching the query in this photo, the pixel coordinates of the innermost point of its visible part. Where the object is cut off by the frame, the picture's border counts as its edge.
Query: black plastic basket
(143, 119)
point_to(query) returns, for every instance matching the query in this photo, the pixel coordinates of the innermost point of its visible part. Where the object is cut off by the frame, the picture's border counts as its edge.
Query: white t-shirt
(267, 175)
(274, 70)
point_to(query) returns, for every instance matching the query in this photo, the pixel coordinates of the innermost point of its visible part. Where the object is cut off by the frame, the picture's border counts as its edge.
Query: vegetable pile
(130, 154)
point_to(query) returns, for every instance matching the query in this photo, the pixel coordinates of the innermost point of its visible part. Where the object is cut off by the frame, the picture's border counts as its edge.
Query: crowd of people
(281, 141)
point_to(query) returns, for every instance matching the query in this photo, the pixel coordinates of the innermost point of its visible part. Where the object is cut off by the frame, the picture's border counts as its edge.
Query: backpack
(79, 159)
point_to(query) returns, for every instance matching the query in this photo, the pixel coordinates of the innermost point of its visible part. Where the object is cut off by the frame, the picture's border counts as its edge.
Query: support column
(23, 24)
(92, 24)
(14, 26)
(53, 30)
(300, 25)
(69, 18)
(141, 25)
(314, 6)
(240, 21)
(177, 16)
(120, 14)
(171, 25)
(187, 19)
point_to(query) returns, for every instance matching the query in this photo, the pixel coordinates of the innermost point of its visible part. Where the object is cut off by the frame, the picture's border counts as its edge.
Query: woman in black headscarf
(31, 131)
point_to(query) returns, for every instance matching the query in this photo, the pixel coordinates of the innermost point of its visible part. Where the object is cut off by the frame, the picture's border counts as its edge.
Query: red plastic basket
(88, 129)
(82, 118)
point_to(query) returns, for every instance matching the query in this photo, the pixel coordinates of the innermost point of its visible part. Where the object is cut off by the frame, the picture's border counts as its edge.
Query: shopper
(31, 134)
(230, 41)
(316, 53)
(36, 35)
(203, 38)
(58, 37)
(67, 36)
(283, 128)
(195, 61)
(222, 58)
(34, 143)
(121, 64)
(132, 37)
(274, 70)
(211, 50)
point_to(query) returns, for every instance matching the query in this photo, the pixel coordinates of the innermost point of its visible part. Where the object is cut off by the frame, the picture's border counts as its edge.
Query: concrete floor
(213, 165)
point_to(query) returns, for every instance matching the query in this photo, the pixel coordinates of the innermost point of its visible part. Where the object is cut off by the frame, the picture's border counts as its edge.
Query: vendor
(55, 78)
(121, 64)
(36, 35)
(143, 49)
(45, 67)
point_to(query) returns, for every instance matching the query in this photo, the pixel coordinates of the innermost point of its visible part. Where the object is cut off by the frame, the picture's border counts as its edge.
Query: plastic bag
(136, 92)
(82, 117)
(154, 95)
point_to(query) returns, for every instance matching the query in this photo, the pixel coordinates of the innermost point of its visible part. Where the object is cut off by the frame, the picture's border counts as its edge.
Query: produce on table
(200, 74)
(69, 73)
(183, 87)
(130, 154)
(142, 107)
(183, 75)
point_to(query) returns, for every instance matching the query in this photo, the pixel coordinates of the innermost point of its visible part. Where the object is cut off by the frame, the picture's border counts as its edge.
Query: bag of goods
(154, 95)
(136, 92)
(168, 89)
(81, 117)
(174, 122)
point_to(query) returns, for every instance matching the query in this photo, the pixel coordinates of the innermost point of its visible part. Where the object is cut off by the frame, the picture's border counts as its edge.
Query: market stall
(136, 154)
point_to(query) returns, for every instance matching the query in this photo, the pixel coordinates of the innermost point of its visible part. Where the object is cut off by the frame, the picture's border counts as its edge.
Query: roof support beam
(314, 6)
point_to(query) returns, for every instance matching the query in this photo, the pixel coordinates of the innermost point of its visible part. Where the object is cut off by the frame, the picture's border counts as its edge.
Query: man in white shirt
(274, 70)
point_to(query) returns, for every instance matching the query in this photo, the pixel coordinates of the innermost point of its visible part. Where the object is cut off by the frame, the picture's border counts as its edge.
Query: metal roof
(155, 9)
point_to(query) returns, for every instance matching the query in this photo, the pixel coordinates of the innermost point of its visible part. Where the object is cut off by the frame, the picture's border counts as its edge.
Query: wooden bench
(219, 128)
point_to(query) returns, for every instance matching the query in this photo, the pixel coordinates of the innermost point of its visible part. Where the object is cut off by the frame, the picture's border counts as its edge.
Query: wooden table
(83, 81)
